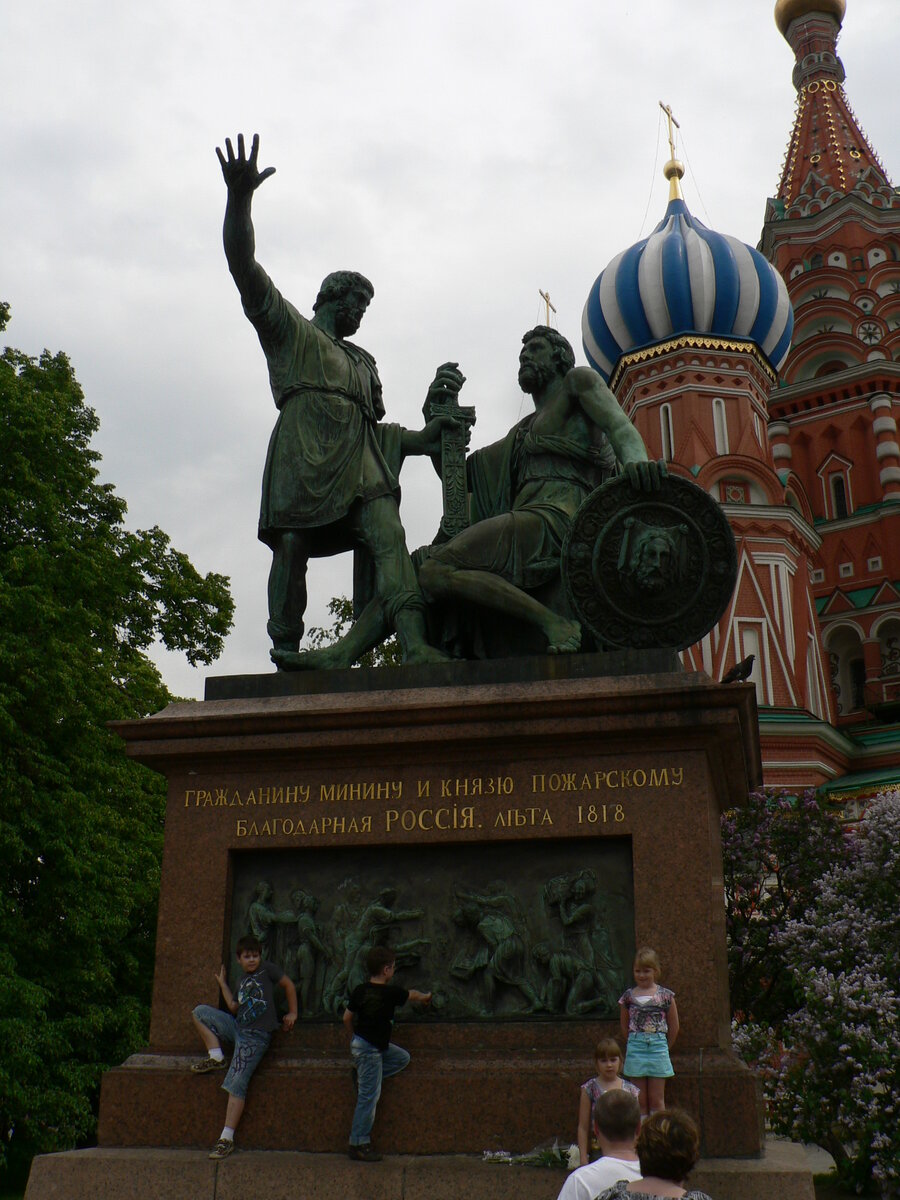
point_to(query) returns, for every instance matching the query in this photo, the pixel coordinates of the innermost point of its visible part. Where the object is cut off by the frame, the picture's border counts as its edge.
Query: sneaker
(208, 1064)
(222, 1148)
(364, 1153)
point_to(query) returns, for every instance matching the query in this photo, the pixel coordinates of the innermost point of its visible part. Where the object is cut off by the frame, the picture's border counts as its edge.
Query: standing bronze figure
(327, 485)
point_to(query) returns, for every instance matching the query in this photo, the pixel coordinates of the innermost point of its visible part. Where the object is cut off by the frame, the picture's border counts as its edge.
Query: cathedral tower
(833, 231)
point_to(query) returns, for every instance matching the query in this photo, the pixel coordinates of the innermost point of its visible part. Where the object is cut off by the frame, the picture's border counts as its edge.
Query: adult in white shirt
(617, 1120)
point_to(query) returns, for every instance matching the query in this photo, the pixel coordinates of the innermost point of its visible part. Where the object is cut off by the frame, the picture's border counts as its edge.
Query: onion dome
(787, 11)
(684, 280)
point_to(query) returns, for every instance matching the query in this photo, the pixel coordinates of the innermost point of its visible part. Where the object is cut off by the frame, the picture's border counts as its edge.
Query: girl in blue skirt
(650, 1022)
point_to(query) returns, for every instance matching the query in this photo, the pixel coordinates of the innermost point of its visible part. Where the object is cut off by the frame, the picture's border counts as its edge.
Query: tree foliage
(774, 848)
(81, 600)
(830, 1064)
(388, 654)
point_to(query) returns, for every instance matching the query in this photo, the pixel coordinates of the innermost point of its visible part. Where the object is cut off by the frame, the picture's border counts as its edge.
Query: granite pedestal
(549, 754)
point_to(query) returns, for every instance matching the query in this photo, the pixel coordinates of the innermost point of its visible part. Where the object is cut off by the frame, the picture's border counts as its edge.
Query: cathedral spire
(828, 155)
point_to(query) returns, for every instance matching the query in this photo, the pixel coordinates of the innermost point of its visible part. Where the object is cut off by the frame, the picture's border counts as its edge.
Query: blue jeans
(249, 1047)
(372, 1065)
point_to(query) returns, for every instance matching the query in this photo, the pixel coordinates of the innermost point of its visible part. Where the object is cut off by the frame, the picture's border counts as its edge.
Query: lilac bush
(831, 1070)
(773, 849)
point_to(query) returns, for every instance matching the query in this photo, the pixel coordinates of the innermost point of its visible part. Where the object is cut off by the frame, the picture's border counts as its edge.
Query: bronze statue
(524, 492)
(570, 984)
(500, 959)
(263, 920)
(327, 485)
(309, 951)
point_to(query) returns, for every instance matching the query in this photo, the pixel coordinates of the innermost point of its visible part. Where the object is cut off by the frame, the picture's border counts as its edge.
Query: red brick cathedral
(782, 402)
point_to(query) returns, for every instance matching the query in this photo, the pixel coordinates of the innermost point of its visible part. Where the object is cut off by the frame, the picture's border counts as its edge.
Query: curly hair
(338, 283)
(668, 1145)
(563, 354)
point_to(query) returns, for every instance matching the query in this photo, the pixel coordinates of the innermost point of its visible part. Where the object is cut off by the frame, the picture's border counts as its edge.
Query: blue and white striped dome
(685, 279)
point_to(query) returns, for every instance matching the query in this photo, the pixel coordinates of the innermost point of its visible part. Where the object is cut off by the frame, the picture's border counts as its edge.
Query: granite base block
(101, 1174)
(105, 1174)
(443, 1104)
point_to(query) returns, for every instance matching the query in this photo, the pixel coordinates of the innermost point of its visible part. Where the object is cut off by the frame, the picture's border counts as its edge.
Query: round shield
(649, 570)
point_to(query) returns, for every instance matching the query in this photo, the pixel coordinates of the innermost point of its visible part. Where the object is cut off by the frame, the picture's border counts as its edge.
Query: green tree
(81, 600)
(388, 654)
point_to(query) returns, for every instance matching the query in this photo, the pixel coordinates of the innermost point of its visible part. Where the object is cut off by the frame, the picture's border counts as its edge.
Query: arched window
(720, 426)
(831, 368)
(665, 429)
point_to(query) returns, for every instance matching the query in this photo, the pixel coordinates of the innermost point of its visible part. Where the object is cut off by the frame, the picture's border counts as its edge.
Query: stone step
(129, 1174)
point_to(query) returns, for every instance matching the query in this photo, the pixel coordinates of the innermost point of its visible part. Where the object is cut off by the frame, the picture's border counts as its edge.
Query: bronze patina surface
(650, 571)
(552, 937)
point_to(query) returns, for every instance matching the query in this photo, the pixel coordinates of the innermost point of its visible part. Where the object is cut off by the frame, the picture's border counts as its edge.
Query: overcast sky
(461, 154)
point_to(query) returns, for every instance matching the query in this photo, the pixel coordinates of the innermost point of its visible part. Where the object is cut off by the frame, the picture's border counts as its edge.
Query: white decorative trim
(880, 401)
(887, 450)
(781, 451)
(796, 764)
(884, 425)
(889, 475)
(780, 429)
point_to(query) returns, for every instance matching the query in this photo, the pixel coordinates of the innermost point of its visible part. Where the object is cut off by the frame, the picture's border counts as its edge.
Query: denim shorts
(647, 1055)
(249, 1046)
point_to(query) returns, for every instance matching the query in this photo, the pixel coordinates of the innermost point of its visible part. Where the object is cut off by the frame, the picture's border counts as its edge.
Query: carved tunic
(324, 453)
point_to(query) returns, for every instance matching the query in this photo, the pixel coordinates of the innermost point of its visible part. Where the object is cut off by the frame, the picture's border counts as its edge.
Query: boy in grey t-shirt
(249, 1024)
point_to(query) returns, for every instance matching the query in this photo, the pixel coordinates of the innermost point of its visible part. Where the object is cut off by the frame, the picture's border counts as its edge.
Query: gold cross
(545, 296)
(673, 170)
(667, 109)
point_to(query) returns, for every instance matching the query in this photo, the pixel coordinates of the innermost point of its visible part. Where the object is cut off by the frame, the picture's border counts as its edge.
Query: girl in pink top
(650, 1022)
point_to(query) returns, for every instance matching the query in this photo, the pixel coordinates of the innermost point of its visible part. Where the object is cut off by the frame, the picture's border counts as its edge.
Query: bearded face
(654, 567)
(537, 365)
(349, 310)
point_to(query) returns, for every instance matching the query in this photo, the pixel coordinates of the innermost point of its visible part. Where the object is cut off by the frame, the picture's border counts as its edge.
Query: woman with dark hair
(668, 1147)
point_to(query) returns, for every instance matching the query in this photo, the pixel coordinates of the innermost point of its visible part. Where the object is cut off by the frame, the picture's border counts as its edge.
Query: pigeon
(741, 671)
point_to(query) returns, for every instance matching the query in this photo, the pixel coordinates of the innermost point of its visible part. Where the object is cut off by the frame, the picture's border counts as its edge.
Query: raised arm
(222, 980)
(601, 407)
(242, 177)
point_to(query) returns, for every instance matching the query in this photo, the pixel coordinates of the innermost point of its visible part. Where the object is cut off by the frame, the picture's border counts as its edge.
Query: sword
(453, 458)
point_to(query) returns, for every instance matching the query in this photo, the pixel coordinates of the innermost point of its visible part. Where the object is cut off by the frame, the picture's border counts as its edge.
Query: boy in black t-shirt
(249, 1024)
(368, 1017)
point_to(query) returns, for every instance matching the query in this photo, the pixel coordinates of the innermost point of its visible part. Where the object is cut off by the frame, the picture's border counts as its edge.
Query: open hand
(288, 1021)
(241, 173)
